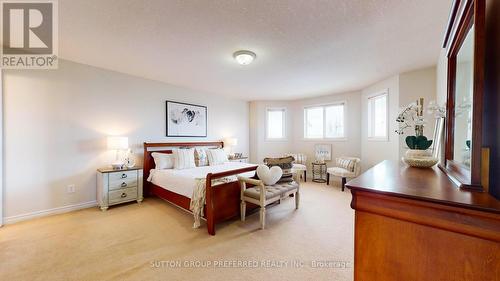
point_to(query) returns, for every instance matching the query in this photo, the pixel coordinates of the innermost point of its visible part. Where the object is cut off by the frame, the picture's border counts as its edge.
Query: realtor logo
(29, 34)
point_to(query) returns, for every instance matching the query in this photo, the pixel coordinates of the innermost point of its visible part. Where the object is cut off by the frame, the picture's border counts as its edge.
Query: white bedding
(183, 181)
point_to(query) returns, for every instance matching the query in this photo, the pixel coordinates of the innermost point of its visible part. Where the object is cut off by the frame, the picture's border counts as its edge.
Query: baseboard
(43, 213)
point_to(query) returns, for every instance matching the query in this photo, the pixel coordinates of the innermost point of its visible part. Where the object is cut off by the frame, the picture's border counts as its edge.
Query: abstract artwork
(186, 120)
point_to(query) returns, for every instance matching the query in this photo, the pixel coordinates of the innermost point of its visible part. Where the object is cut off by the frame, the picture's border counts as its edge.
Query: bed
(221, 191)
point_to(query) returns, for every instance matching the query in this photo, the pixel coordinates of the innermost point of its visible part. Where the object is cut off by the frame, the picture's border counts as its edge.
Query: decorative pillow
(200, 157)
(269, 176)
(285, 163)
(216, 156)
(347, 164)
(163, 160)
(184, 158)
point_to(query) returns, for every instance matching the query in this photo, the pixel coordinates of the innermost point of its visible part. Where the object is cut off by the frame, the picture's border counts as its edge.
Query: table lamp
(230, 143)
(119, 144)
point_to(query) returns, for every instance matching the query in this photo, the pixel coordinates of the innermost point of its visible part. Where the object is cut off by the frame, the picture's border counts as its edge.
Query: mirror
(464, 42)
(464, 82)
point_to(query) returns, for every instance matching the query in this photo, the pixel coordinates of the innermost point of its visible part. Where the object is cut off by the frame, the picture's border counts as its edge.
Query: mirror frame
(464, 15)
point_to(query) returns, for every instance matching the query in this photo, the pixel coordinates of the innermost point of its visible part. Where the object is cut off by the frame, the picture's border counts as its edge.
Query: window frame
(370, 120)
(284, 128)
(324, 106)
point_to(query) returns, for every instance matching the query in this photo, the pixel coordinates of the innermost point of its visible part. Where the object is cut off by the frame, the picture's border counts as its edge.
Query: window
(377, 117)
(314, 122)
(275, 123)
(326, 121)
(334, 117)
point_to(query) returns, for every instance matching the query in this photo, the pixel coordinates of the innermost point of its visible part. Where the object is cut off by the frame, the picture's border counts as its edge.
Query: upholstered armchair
(345, 167)
(299, 165)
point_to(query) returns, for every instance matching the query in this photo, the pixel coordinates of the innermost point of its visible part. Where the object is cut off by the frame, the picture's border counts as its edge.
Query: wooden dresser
(415, 224)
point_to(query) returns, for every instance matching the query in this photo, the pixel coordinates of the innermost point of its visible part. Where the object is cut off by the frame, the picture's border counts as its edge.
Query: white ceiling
(304, 47)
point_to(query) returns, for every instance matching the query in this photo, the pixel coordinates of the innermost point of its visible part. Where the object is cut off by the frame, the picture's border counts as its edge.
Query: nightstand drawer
(120, 176)
(122, 183)
(121, 195)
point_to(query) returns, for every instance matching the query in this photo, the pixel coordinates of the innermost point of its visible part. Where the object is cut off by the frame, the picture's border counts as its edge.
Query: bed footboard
(223, 200)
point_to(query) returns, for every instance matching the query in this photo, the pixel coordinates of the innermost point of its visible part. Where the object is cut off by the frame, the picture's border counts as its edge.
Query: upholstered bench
(263, 195)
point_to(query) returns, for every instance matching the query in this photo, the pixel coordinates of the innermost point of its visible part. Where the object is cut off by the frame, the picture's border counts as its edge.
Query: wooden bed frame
(222, 200)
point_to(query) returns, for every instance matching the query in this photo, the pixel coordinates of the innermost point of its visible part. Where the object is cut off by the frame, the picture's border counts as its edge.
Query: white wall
(403, 89)
(56, 123)
(261, 148)
(295, 142)
(1, 150)
(348, 147)
(375, 151)
(413, 85)
(441, 78)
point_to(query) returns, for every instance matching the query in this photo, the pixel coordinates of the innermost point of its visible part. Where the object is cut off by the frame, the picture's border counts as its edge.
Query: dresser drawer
(122, 195)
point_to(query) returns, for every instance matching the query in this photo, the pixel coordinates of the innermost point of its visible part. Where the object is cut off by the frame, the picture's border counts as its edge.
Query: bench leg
(297, 199)
(243, 210)
(344, 180)
(305, 176)
(327, 179)
(262, 217)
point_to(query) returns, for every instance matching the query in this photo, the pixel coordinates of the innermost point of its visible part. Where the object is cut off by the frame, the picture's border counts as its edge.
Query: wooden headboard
(167, 147)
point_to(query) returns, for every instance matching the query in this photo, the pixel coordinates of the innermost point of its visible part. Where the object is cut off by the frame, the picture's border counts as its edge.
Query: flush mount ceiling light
(244, 57)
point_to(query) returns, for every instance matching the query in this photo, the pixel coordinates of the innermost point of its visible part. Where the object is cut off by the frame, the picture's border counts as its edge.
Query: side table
(319, 172)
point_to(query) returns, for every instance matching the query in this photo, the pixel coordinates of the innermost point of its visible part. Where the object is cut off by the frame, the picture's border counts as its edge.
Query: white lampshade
(117, 143)
(231, 142)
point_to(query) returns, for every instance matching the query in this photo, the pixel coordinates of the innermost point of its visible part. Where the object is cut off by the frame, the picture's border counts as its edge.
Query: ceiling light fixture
(244, 57)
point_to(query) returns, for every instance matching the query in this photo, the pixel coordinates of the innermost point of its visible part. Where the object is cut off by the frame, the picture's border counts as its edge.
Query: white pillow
(184, 158)
(163, 160)
(269, 176)
(216, 156)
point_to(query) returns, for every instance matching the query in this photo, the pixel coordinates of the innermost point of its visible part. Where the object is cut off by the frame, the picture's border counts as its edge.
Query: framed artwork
(186, 120)
(323, 152)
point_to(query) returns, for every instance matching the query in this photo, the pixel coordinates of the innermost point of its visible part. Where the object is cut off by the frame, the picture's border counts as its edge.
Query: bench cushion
(272, 190)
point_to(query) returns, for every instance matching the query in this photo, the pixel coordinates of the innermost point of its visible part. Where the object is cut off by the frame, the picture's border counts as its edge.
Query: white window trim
(371, 96)
(285, 135)
(323, 105)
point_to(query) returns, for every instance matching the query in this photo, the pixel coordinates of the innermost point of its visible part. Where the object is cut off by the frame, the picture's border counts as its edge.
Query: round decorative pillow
(269, 176)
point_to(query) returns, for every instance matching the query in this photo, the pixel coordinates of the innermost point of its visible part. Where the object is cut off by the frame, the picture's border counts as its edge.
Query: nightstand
(239, 159)
(118, 186)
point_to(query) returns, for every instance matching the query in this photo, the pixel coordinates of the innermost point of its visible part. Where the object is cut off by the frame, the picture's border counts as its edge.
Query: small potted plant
(418, 154)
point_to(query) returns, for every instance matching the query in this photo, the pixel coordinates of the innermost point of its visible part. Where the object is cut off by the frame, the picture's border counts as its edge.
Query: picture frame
(323, 152)
(185, 119)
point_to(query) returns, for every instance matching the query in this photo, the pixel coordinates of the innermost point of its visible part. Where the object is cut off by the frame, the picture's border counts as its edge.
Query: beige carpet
(138, 242)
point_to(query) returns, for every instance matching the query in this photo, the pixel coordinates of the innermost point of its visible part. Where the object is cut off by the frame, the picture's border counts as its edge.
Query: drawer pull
(124, 195)
(124, 184)
(124, 176)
